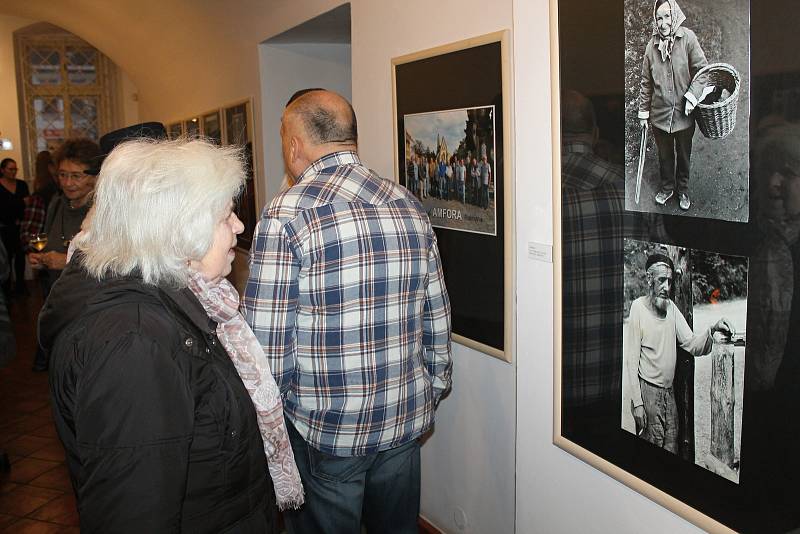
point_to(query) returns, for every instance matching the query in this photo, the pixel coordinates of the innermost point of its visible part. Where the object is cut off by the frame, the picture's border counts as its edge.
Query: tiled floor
(36, 497)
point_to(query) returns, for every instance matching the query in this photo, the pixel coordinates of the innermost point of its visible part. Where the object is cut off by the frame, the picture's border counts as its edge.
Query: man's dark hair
(324, 125)
(301, 92)
(83, 151)
(5, 162)
(577, 113)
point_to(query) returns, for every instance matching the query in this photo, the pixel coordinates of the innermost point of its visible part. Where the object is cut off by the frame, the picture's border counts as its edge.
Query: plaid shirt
(32, 219)
(594, 223)
(347, 297)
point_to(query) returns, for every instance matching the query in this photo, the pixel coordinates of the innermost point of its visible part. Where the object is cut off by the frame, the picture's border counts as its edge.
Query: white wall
(284, 69)
(469, 460)
(9, 110)
(555, 491)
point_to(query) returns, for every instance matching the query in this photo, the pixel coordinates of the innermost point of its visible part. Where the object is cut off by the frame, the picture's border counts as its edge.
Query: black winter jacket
(160, 433)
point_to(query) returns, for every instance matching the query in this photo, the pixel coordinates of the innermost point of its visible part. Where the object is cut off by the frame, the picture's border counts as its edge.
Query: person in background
(44, 188)
(347, 298)
(12, 208)
(147, 349)
(75, 158)
(45, 181)
(64, 216)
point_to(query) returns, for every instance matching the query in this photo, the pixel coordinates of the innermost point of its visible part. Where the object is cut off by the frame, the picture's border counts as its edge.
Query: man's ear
(294, 148)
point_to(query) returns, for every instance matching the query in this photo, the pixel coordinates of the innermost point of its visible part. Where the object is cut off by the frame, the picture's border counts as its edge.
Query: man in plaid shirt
(347, 297)
(594, 224)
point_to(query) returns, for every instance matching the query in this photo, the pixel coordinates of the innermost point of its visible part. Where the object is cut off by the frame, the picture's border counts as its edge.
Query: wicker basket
(717, 120)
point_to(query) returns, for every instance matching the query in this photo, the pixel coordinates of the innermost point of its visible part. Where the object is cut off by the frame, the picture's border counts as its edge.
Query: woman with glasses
(12, 206)
(65, 215)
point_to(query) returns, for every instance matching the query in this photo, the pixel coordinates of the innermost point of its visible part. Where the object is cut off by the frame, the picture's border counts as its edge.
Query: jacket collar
(334, 159)
(183, 300)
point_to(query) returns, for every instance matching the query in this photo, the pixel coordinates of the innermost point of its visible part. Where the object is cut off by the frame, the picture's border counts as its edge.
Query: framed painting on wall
(239, 131)
(192, 128)
(452, 114)
(175, 130)
(211, 127)
(675, 253)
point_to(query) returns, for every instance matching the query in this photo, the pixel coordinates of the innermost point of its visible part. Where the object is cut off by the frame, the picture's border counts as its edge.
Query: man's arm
(436, 326)
(695, 344)
(632, 346)
(633, 350)
(270, 298)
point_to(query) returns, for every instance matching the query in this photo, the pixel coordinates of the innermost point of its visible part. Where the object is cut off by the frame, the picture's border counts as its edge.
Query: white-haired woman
(146, 340)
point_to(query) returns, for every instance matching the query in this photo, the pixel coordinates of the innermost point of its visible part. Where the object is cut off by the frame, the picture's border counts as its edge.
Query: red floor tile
(53, 451)
(62, 510)
(27, 469)
(23, 500)
(57, 478)
(6, 520)
(26, 444)
(36, 497)
(31, 526)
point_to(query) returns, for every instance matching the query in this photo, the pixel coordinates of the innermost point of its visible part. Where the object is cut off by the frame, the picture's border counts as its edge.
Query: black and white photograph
(687, 107)
(449, 167)
(684, 337)
(175, 130)
(238, 131)
(212, 127)
(192, 127)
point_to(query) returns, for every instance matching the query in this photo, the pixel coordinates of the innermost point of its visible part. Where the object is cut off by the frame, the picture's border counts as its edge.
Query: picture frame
(192, 127)
(238, 130)
(473, 220)
(175, 130)
(754, 490)
(211, 126)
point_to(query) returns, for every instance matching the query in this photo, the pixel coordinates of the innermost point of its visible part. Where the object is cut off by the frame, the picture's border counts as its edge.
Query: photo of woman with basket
(680, 78)
(669, 93)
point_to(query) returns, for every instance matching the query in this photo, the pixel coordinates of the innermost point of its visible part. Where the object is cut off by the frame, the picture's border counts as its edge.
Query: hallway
(36, 496)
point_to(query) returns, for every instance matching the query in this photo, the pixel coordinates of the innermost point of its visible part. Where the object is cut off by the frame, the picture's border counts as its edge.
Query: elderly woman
(146, 341)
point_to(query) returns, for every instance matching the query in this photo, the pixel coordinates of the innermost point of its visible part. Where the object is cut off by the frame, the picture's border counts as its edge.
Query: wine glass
(38, 241)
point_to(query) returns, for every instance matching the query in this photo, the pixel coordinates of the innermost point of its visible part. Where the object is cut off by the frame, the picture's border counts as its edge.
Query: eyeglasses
(74, 176)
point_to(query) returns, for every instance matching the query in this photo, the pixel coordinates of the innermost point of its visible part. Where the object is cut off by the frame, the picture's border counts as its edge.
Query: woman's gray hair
(156, 206)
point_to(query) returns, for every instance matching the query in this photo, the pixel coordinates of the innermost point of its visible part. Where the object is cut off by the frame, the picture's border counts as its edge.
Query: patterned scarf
(221, 302)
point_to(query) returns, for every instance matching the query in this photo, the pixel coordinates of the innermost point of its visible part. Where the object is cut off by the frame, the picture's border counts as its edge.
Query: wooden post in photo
(722, 401)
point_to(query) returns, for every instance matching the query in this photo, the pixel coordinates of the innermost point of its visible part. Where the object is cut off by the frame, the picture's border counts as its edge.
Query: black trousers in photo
(674, 150)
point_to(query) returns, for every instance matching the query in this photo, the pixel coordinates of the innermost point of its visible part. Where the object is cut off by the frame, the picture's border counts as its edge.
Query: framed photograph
(456, 185)
(192, 128)
(211, 127)
(676, 356)
(175, 130)
(694, 60)
(239, 131)
(453, 114)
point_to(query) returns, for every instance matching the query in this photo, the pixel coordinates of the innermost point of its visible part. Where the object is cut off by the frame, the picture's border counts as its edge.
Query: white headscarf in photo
(665, 43)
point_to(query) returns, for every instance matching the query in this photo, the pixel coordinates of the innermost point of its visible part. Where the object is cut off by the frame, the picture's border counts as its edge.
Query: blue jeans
(381, 490)
(662, 416)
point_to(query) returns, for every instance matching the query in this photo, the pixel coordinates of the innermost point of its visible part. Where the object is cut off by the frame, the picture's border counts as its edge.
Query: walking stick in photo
(640, 169)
